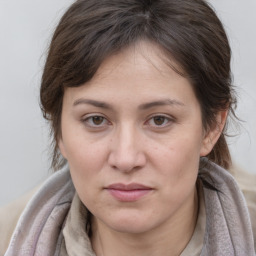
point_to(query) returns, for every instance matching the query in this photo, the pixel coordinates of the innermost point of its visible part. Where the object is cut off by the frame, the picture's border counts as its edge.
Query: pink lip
(128, 193)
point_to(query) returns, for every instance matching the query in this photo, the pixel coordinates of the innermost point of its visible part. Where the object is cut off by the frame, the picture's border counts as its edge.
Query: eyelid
(87, 117)
(169, 119)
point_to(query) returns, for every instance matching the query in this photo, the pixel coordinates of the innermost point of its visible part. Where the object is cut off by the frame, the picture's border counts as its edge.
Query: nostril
(126, 162)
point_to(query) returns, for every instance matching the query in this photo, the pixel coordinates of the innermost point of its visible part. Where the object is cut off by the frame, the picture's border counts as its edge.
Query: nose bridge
(126, 153)
(126, 137)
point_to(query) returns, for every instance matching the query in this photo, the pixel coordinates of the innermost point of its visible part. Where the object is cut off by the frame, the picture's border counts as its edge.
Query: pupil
(97, 120)
(159, 120)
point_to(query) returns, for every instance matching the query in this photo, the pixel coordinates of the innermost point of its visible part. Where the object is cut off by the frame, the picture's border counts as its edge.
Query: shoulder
(43, 204)
(247, 183)
(9, 216)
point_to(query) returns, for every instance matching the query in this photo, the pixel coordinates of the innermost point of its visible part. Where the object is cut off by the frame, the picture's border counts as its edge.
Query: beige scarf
(39, 231)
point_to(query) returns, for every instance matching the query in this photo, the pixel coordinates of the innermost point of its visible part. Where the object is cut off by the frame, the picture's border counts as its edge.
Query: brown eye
(95, 121)
(159, 120)
(98, 120)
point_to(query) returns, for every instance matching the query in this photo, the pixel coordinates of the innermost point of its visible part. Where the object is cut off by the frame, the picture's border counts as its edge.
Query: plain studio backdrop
(25, 30)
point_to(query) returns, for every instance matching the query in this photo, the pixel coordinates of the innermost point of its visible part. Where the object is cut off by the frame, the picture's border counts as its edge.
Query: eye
(95, 121)
(159, 121)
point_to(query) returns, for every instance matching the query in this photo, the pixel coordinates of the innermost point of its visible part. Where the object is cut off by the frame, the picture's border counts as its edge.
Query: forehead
(136, 75)
(142, 57)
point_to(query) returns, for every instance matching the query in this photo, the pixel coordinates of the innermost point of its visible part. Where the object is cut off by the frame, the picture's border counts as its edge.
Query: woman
(137, 94)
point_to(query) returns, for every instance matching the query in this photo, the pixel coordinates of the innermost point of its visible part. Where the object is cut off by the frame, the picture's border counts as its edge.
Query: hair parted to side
(189, 32)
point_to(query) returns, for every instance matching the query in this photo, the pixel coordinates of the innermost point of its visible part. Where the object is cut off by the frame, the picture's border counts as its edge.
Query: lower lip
(129, 195)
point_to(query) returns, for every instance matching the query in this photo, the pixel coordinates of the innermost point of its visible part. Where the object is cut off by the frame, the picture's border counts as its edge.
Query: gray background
(25, 30)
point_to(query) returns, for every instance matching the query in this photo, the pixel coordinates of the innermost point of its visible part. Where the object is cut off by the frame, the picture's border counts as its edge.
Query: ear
(62, 148)
(213, 134)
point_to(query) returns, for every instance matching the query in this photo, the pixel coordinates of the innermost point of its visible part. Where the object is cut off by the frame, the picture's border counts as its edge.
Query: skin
(113, 131)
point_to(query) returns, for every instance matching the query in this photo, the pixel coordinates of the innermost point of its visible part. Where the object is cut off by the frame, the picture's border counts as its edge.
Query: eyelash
(88, 121)
(167, 121)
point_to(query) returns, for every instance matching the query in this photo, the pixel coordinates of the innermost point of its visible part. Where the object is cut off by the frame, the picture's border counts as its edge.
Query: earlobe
(212, 136)
(62, 148)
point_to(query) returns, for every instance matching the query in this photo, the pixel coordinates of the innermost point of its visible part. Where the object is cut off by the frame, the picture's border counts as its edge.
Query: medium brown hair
(188, 31)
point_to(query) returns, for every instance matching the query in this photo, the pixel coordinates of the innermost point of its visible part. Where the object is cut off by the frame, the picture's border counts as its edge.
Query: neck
(168, 238)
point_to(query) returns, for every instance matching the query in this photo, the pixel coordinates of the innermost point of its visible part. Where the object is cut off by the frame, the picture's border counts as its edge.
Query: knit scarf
(39, 231)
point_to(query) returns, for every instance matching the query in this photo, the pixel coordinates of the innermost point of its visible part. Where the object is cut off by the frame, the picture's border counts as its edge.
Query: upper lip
(127, 187)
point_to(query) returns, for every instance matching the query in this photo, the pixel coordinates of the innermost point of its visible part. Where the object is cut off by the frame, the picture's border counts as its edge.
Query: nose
(126, 153)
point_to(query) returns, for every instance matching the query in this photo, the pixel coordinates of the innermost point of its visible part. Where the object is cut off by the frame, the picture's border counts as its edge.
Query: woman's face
(133, 137)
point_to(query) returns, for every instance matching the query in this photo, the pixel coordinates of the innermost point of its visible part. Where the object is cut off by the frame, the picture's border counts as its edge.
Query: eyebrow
(98, 104)
(161, 103)
(101, 104)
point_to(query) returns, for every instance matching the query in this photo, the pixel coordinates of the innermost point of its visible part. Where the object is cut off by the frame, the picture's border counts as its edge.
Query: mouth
(128, 192)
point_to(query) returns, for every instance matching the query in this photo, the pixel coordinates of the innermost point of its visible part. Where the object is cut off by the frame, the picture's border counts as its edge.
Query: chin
(130, 228)
(129, 223)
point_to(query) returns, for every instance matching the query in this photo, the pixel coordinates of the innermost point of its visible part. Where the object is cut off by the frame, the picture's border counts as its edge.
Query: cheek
(82, 150)
(176, 173)
(86, 167)
(183, 150)
(177, 161)
(86, 161)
